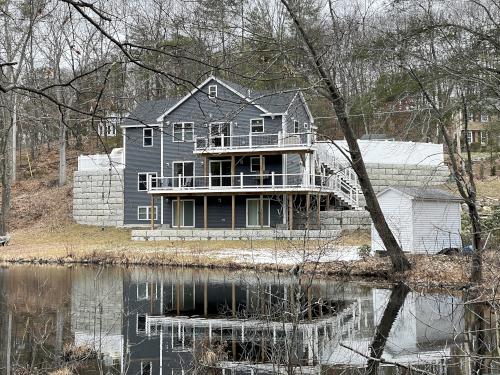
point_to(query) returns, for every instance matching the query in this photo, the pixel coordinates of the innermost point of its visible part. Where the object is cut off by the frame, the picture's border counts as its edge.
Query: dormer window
(212, 91)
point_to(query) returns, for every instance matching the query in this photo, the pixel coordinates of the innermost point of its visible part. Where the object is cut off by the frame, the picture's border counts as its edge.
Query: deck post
(290, 211)
(318, 211)
(233, 211)
(205, 169)
(328, 202)
(178, 215)
(205, 212)
(205, 298)
(261, 211)
(233, 169)
(261, 170)
(152, 212)
(308, 206)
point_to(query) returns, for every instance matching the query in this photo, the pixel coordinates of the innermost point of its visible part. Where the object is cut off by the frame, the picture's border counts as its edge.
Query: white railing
(319, 183)
(252, 141)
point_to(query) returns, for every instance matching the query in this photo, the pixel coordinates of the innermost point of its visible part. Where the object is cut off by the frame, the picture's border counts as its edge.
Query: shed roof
(424, 193)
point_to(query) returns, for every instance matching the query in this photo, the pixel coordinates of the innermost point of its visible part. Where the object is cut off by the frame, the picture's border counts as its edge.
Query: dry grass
(489, 188)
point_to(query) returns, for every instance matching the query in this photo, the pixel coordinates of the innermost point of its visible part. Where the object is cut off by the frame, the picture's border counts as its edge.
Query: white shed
(423, 220)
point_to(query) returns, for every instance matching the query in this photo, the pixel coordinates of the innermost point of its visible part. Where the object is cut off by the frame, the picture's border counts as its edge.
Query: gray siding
(139, 159)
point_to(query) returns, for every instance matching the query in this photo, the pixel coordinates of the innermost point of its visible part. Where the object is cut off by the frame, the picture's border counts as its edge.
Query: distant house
(423, 220)
(481, 127)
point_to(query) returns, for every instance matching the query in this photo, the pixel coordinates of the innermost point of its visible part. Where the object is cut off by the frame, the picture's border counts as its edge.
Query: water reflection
(172, 321)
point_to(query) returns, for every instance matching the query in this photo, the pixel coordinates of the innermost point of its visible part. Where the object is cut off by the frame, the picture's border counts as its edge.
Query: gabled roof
(423, 193)
(147, 112)
(268, 101)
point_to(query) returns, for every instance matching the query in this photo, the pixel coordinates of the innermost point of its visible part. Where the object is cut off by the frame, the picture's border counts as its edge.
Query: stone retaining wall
(345, 220)
(98, 197)
(237, 234)
(383, 175)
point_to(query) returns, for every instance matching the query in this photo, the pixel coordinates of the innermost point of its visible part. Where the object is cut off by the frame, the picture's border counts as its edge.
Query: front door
(220, 134)
(221, 172)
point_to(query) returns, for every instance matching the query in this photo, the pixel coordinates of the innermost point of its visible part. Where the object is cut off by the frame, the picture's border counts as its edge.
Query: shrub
(364, 251)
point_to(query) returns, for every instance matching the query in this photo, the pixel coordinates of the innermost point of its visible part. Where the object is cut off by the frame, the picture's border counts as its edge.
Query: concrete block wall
(345, 220)
(98, 197)
(383, 175)
(237, 234)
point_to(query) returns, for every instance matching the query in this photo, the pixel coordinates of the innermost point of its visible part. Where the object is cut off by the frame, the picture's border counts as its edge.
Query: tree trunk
(5, 177)
(398, 297)
(399, 261)
(62, 152)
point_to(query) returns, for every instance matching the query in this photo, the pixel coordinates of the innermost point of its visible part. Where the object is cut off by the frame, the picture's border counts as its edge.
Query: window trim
(483, 137)
(211, 96)
(296, 126)
(268, 213)
(183, 131)
(137, 322)
(144, 137)
(148, 215)
(251, 125)
(155, 174)
(263, 163)
(137, 291)
(174, 204)
(469, 137)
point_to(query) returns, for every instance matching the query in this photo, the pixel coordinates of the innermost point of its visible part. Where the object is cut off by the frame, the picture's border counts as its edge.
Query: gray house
(226, 157)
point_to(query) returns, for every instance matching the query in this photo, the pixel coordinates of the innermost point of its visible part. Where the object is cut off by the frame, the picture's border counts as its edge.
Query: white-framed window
(253, 212)
(470, 116)
(255, 163)
(257, 125)
(107, 129)
(140, 325)
(484, 137)
(142, 291)
(144, 213)
(187, 213)
(306, 125)
(485, 117)
(147, 137)
(146, 368)
(143, 178)
(469, 136)
(295, 126)
(212, 91)
(183, 132)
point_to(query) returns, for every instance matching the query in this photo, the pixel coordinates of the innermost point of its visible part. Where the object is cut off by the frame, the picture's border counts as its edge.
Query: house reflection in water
(165, 321)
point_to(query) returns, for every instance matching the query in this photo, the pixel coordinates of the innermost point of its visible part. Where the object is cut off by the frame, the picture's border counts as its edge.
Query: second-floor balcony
(256, 183)
(256, 142)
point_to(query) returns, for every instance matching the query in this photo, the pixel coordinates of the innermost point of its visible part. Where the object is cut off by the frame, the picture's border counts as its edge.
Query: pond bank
(76, 244)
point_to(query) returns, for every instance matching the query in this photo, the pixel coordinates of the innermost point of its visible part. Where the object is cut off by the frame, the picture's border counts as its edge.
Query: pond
(114, 320)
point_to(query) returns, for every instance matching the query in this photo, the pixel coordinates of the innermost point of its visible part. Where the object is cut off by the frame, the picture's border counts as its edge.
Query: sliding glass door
(187, 213)
(253, 212)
